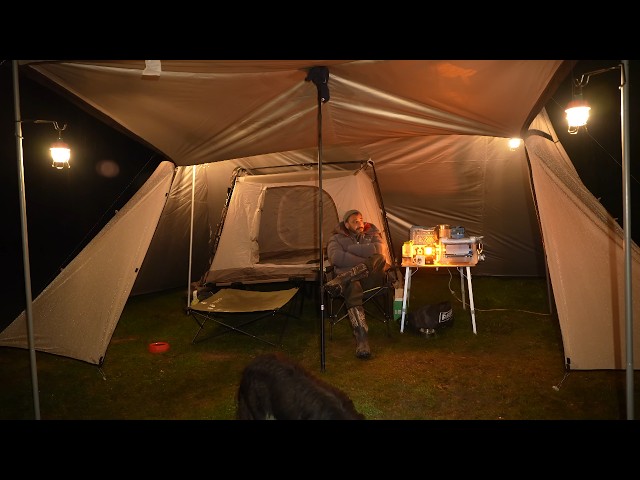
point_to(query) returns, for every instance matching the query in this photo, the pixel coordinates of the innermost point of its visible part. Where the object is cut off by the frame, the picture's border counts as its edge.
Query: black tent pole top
(320, 77)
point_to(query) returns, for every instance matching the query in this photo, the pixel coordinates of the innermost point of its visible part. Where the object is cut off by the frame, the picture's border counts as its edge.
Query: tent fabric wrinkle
(414, 117)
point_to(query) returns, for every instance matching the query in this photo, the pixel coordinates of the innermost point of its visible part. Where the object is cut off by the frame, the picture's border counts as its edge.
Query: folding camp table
(462, 252)
(407, 288)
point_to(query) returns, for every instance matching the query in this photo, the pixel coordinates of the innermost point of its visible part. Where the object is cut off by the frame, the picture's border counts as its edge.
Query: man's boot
(336, 286)
(360, 331)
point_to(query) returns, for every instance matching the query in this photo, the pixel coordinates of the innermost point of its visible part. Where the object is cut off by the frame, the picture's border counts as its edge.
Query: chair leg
(335, 315)
(330, 321)
(327, 301)
(381, 299)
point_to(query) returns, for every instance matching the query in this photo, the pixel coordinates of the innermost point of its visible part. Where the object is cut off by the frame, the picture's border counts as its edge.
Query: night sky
(66, 208)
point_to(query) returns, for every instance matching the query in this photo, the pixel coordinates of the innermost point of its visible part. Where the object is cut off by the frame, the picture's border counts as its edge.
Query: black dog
(273, 387)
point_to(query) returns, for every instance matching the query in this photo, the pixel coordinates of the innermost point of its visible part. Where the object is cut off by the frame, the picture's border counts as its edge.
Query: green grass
(506, 371)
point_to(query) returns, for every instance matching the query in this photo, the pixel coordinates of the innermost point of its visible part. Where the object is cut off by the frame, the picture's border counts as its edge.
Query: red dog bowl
(158, 347)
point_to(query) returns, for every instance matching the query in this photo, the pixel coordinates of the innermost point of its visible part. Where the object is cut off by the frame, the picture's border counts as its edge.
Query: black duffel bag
(430, 318)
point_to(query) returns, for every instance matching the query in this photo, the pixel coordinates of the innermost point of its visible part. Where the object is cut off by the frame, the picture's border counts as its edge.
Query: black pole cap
(320, 76)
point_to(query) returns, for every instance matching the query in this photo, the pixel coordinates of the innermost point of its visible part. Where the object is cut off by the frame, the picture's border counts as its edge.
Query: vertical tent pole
(320, 77)
(193, 199)
(25, 244)
(626, 224)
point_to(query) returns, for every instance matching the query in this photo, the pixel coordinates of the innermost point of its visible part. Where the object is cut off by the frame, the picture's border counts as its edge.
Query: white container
(459, 251)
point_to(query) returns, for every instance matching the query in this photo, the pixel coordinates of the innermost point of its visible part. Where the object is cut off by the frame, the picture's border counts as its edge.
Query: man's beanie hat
(349, 213)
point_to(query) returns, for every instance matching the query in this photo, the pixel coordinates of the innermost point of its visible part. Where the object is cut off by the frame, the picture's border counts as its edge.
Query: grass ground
(512, 369)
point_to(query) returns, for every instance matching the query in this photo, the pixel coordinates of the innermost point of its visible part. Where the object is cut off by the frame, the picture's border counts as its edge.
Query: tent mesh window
(289, 224)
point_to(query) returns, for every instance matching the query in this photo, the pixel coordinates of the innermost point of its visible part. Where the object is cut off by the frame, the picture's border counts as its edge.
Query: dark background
(66, 208)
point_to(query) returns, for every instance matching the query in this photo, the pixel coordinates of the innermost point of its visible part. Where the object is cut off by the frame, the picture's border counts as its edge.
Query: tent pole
(25, 243)
(320, 239)
(193, 195)
(320, 77)
(626, 223)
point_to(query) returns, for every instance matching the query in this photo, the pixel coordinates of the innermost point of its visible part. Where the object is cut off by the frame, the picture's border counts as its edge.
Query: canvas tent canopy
(270, 229)
(437, 131)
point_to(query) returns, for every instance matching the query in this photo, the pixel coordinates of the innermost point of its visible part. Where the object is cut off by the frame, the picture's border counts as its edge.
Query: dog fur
(273, 387)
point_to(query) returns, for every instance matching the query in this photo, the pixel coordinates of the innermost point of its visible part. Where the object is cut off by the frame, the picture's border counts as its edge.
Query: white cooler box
(456, 251)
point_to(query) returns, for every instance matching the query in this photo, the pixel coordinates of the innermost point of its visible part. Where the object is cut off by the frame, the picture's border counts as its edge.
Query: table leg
(407, 283)
(464, 298)
(473, 310)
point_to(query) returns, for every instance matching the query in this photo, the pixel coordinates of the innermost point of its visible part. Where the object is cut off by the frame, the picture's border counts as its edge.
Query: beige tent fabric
(584, 249)
(76, 314)
(238, 256)
(436, 130)
(160, 269)
(201, 111)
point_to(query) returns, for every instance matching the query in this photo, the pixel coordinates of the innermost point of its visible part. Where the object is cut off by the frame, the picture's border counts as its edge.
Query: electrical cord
(554, 387)
(454, 295)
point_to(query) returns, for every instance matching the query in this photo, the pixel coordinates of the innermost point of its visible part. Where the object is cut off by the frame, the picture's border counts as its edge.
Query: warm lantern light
(578, 110)
(60, 153)
(577, 114)
(514, 143)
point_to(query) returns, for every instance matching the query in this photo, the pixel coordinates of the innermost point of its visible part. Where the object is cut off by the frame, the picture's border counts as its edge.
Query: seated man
(356, 251)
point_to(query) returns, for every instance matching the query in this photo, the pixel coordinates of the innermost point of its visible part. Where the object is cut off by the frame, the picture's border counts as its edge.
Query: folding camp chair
(377, 301)
(234, 309)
